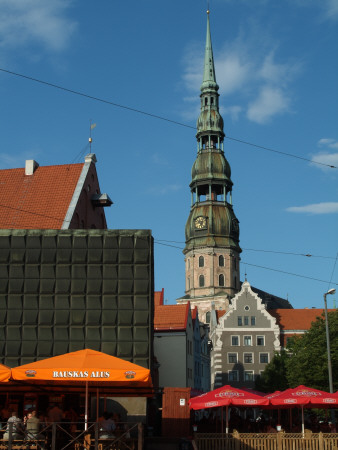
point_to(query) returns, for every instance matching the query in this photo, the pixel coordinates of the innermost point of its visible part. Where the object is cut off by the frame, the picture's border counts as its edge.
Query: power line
(308, 255)
(159, 242)
(287, 273)
(156, 116)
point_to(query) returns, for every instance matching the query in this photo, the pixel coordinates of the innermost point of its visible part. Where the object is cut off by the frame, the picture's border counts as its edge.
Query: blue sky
(276, 64)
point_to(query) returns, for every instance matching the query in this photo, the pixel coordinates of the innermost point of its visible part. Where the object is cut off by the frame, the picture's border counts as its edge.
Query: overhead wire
(156, 116)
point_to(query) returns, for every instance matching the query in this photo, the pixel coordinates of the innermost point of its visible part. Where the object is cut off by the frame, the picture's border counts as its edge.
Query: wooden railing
(264, 441)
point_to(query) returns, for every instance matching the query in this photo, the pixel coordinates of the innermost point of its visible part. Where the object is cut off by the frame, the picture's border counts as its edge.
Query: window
(233, 375)
(248, 375)
(207, 317)
(201, 280)
(253, 321)
(232, 358)
(246, 320)
(264, 358)
(248, 358)
(235, 340)
(260, 340)
(239, 321)
(201, 261)
(221, 261)
(221, 280)
(247, 340)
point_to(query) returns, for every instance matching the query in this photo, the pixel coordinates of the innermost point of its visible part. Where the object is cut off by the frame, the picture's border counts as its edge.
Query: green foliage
(274, 376)
(307, 363)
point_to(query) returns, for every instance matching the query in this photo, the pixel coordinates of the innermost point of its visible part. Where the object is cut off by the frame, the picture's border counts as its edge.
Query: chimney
(30, 166)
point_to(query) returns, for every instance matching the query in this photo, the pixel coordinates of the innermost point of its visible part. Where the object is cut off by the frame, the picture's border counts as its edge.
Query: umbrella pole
(303, 420)
(227, 419)
(222, 420)
(86, 407)
(97, 404)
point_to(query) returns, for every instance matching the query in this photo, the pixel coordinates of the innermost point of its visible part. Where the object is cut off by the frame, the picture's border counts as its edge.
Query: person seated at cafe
(33, 428)
(15, 423)
(55, 414)
(107, 427)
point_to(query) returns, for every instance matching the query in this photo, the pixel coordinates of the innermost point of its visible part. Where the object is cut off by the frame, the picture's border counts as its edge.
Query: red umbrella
(225, 396)
(303, 396)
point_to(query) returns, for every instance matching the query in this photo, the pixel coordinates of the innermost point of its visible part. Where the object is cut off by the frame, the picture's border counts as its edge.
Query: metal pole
(86, 407)
(329, 366)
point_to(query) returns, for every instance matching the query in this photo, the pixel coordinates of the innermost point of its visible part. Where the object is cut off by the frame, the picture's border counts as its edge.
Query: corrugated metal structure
(65, 290)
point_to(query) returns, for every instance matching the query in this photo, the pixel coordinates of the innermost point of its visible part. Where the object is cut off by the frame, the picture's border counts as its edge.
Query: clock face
(200, 223)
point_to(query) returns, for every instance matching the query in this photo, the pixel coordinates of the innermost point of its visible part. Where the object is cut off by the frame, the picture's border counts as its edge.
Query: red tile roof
(38, 201)
(171, 317)
(296, 319)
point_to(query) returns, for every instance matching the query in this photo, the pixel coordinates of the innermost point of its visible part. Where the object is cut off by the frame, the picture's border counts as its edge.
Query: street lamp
(329, 367)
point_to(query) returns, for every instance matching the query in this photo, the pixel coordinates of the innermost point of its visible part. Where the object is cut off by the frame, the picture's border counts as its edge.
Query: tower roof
(209, 75)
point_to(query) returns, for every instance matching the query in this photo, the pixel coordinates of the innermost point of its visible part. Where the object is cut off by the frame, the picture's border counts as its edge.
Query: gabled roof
(171, 317)
(296, 319)
(37, 201)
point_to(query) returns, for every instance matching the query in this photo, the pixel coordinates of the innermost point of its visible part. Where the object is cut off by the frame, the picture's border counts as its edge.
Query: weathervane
(92, 126)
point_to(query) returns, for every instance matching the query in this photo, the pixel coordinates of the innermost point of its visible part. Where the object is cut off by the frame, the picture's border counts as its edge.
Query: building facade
(67, 290)
(181, 346)
(244, 341)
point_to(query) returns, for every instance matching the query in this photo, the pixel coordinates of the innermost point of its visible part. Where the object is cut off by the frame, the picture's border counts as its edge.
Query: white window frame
(249, 372)
(232, 353)
(264, 353)
(231, 372)
(239, 340)
(260, 336)
(247, 336)
(252, 357)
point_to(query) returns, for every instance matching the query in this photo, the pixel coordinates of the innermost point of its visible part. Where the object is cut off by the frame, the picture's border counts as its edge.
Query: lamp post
(329, 366)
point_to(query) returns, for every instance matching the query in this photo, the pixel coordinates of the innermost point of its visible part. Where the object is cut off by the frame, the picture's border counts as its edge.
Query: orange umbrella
(85, 366)
(5, 373)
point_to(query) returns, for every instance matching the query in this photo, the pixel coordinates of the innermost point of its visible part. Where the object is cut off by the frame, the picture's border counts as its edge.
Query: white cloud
(163, 190)
(233, 111)
(245, 67)
(35, 21)
(331, 9)
(270, 102)
(331, 143)
(316, 208)
(324, 156)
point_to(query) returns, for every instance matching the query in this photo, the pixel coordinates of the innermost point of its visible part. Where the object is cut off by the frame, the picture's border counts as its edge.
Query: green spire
(209, 76)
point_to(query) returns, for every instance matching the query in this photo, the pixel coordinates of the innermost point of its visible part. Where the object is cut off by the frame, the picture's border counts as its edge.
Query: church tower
(212, 252)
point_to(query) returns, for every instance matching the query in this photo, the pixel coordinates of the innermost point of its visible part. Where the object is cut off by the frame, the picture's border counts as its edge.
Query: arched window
(207, 317)
(221, 260)
(201, 280)
(221, 280)
(201, 261)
